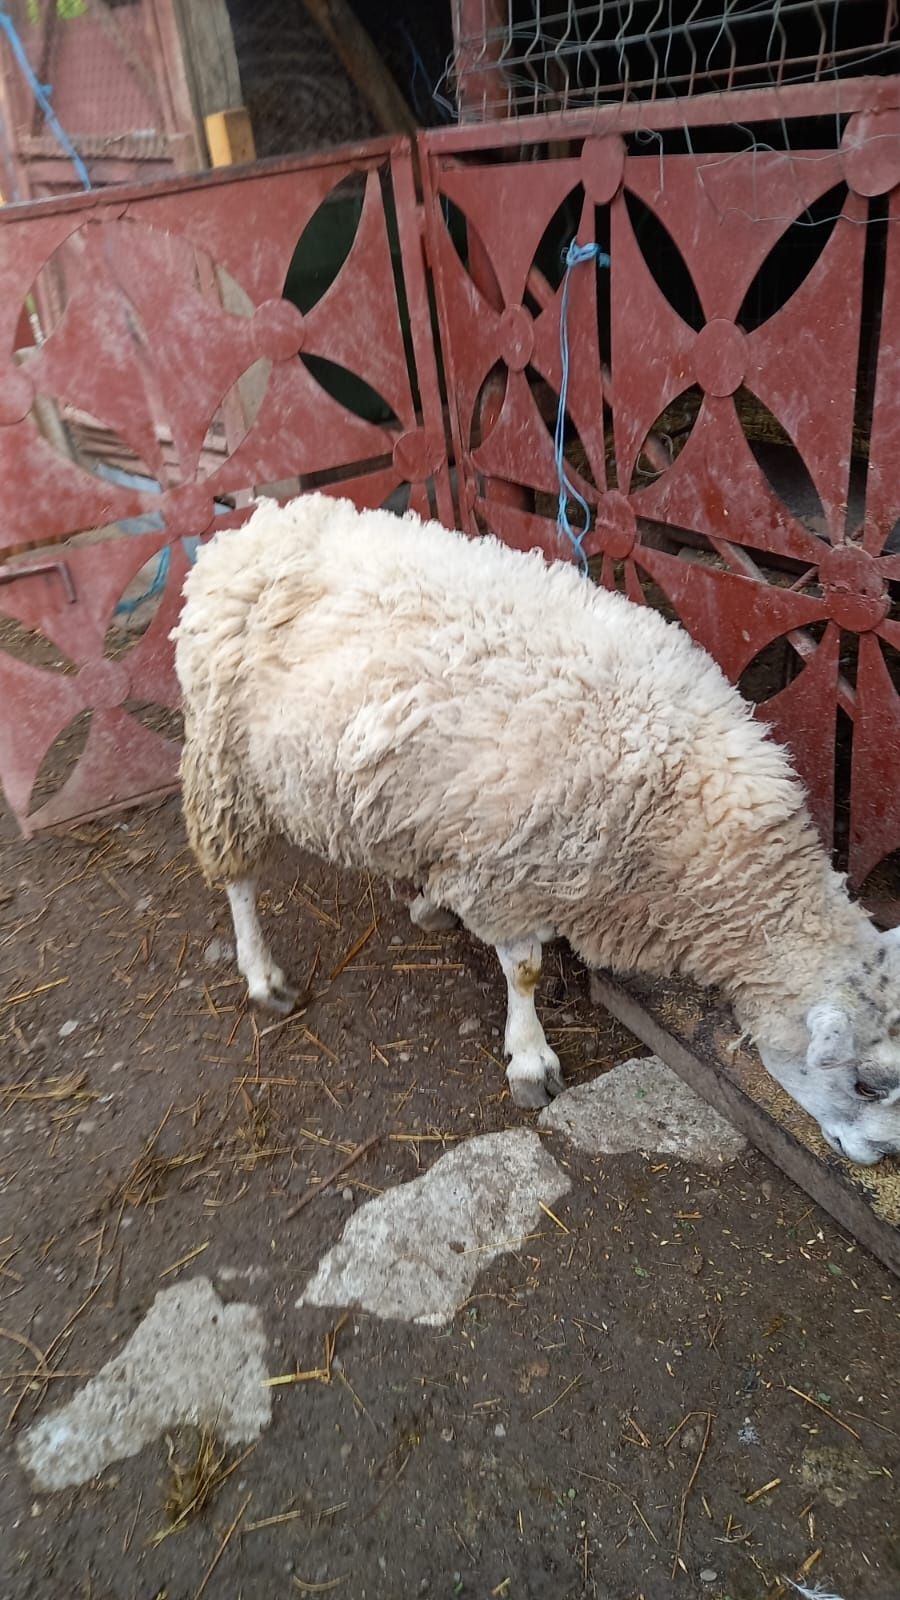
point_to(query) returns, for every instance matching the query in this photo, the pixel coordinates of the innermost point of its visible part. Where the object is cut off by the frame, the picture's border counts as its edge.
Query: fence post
(476, 44)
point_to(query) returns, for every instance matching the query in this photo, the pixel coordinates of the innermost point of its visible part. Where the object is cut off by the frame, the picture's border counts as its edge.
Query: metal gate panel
(170, 334)
(699, 523)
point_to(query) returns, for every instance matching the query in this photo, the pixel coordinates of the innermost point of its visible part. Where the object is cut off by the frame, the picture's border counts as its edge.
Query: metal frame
(708, 536)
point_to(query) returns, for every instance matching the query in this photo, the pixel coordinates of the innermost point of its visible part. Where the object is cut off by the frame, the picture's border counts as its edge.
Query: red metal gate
(748, 288)
(167, 349)
(733, 410)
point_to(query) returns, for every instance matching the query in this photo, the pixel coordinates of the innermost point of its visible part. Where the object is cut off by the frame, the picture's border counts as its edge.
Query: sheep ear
(830, 1037)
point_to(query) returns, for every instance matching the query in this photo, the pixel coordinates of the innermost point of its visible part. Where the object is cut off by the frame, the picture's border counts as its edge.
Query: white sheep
(543, 759)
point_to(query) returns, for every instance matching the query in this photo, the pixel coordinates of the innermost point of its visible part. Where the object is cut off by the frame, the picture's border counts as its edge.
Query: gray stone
(415, 1252)
(191, 1360)
(643, 1105)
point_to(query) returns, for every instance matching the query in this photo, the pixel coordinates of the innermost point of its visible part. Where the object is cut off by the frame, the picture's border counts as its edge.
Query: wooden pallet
(698, 1040)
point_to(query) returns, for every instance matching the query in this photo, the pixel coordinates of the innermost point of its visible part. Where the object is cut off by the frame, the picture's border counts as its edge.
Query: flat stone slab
(643, 1105)
(191, 1360)
(415, 1252)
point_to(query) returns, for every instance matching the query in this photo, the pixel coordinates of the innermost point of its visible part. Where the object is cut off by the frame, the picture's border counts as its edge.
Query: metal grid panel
(520, 57)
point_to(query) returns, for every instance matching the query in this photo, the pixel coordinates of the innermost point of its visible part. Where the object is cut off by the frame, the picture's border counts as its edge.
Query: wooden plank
(181, 123)
(350, 42)
(229, 135)
(210, 57)
(700, 1042)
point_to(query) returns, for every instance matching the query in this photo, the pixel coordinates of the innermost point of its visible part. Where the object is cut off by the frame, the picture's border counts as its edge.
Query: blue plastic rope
(128, 607)
(42, 92)
(574, 256)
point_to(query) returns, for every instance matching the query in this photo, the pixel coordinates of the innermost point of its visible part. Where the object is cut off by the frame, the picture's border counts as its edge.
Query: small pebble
(499, 1431)
(68, 1028)
(396, 941)
(469, 1026)
(143, 904)
(708, 1575)
(347, 1194)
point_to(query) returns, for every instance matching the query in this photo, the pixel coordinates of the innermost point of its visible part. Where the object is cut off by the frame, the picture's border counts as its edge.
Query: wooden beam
(210, 57)
(700, 1041)
(350, 42)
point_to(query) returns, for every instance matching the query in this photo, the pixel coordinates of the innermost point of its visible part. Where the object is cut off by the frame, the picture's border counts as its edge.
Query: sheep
(542, 759)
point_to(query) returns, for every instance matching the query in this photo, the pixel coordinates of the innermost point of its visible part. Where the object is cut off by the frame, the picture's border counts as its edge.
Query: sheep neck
(782, 934)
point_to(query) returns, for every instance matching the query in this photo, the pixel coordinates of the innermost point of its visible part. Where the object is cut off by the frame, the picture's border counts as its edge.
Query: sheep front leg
(533, 1072)
(266, 982)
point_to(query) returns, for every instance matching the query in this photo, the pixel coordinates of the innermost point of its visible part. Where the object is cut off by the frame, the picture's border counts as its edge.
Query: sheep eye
(866, 1092)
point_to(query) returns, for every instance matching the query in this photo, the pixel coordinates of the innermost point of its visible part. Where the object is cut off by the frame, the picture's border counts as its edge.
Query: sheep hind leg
(533, 1073)
(266, 983)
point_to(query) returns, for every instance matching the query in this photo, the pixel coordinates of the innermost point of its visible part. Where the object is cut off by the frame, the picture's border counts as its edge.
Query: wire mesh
(299, 95)
(96, 59)
(107, 78)
(520, 57)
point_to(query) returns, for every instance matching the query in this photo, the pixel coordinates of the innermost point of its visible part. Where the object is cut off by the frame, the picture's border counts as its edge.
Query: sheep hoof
(278, 997)
(534, 1079)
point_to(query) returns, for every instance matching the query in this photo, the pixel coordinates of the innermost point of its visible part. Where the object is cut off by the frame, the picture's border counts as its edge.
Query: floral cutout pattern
(165, 325)
(708, 313)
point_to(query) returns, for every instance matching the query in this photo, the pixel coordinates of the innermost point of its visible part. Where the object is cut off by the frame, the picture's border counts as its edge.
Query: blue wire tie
(574, 256)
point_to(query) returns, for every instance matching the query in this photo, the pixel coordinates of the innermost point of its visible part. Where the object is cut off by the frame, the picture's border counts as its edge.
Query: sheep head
(848, 1078)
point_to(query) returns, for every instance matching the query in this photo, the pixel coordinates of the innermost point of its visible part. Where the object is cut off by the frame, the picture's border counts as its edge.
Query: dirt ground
(682, 1384)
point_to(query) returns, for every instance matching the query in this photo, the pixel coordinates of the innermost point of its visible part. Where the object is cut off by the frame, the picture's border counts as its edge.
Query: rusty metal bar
(12, 574)
(701, 111)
